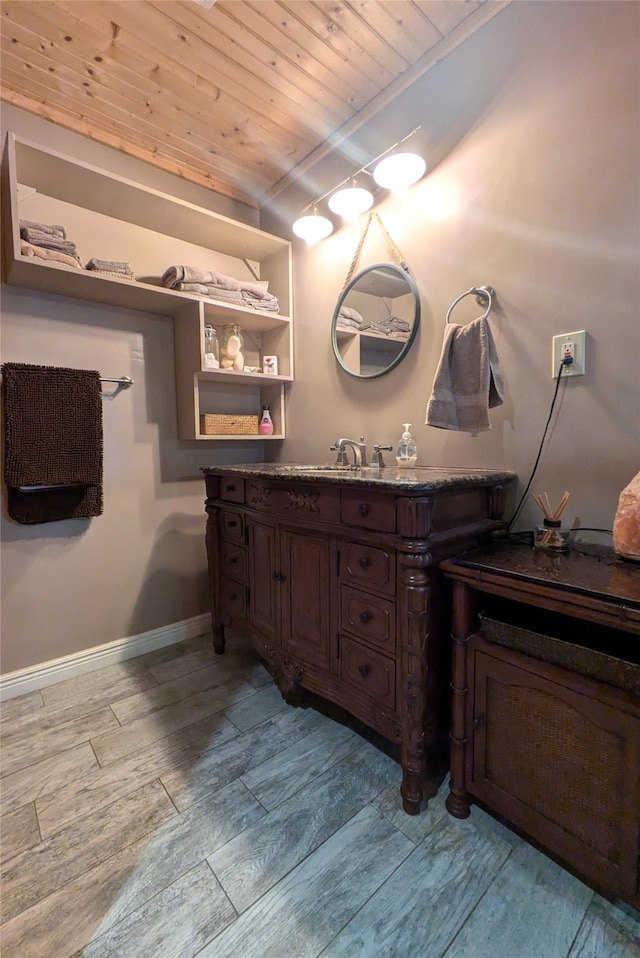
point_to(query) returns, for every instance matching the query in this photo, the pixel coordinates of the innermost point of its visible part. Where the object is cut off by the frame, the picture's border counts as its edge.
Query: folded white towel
(468, 380)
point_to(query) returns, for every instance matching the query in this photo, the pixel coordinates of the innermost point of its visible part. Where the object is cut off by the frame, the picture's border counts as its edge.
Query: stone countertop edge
(419, 478)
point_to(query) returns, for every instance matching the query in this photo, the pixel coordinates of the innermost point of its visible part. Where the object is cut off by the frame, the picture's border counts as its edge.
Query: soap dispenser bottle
(265, 427)
(406, 450)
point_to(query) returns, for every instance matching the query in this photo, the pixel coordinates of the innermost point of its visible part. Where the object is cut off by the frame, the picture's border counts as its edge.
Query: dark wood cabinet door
(264, 578)
(555, 754)
(306, 561)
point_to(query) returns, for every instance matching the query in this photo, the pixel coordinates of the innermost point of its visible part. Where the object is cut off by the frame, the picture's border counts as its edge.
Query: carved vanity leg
(416, 711)
(457, 802)
(219, 641)
(211, 542)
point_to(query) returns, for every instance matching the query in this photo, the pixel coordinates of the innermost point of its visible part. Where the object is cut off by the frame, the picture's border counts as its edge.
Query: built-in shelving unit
(110, 217)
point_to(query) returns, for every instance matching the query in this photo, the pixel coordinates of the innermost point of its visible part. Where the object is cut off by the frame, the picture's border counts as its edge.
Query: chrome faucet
(359, 452)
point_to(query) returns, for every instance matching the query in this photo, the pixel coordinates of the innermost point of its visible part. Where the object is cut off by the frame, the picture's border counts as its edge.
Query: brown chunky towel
(53, 439)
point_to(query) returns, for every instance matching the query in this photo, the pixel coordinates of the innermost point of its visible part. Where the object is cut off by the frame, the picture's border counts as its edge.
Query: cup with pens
(551, 535)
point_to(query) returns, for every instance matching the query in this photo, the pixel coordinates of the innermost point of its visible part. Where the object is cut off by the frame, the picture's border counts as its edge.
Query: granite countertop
(421, 478)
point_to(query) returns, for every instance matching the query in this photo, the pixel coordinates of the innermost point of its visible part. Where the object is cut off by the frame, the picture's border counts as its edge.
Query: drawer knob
(365, 617)
(364, 670)
(233, 596)
(231, 488)
(232, 523)
(233, 560)
(363, 509)
(364, 563)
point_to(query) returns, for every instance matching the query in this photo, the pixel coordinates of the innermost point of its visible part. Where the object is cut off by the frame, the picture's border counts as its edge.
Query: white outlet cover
(577, 368)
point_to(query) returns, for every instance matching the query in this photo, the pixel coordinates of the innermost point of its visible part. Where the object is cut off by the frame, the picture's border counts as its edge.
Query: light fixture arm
(363, 169)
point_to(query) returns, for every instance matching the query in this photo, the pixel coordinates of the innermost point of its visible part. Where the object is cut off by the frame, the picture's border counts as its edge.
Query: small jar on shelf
(232, 348)
(211, 348)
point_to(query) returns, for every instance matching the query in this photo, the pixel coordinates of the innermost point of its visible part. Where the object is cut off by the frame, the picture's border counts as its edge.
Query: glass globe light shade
(350, 202)
(312, 228)
(399, 171)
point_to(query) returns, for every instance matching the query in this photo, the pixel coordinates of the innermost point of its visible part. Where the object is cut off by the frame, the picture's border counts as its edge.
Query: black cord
(590, 529)
(535, 465)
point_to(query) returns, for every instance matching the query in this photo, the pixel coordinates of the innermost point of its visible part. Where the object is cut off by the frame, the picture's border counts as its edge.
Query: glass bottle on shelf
(211, 349)
(265, 427)
(232, 348)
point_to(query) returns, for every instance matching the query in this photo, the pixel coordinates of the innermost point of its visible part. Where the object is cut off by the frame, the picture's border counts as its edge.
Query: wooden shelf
(105, 212)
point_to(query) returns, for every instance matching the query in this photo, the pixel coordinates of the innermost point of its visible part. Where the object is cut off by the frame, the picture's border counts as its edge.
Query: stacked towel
(118, 269)
(53, 255)
(468, 381)
(53, 442)
(190, 279)
(49, 237)
(349, 317)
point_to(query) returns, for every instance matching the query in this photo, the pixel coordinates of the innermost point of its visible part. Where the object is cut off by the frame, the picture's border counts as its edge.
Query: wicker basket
(215, 424)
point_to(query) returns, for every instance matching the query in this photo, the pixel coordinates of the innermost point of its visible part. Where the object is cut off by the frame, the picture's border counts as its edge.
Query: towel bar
(484, 297)
(123, 381)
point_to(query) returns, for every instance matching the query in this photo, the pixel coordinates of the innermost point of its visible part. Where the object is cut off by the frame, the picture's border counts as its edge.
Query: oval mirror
(375, 320)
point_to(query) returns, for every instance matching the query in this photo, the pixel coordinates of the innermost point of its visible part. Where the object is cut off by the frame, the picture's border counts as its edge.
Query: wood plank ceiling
(237, 96)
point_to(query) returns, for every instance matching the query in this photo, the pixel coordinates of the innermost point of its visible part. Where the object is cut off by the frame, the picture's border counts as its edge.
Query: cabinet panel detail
(306, 565)
(298, 500)
(375, 568)
(263, 569)
(369, 617)
(369, 672)
(569, 761)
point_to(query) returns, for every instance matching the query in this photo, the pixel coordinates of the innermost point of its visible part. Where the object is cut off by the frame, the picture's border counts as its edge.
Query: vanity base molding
(336, 582)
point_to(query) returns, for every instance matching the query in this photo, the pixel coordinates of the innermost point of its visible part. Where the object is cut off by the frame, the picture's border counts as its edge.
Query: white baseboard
(56, 670)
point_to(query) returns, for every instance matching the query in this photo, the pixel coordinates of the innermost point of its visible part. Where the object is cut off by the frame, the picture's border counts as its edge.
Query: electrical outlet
(568, 345)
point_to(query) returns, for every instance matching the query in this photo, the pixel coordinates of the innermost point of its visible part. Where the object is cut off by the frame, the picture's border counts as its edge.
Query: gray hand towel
(468, 381)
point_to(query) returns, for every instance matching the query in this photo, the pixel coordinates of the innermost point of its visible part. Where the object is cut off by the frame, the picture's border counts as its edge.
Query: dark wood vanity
(335, 577)
(546, 703)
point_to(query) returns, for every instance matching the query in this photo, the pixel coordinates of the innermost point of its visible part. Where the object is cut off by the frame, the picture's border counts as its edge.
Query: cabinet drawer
(294, 500)
(369, 672)
(369, 617)
(368, 566)
(369, 510)
(232, 489)
(233, 598)
(232, 526)
(233, 561)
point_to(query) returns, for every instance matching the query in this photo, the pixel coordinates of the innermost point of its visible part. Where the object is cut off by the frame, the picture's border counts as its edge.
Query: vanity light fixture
(398, 171)
(393, 170)
(312, 227)
(350, 201)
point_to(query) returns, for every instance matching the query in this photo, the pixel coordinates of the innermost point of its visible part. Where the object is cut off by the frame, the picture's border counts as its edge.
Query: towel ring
(484, 297)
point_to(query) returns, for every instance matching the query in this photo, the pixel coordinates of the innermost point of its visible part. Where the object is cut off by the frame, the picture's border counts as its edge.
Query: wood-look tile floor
(175, 806)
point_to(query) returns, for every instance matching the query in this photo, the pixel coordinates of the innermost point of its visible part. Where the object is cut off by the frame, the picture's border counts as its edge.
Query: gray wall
(533, 140)
(532, 135)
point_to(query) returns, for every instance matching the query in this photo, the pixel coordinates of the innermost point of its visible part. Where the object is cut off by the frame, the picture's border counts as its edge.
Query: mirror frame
(412, 288)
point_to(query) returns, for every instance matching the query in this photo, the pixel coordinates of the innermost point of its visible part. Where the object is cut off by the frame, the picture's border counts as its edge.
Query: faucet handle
(377, 455)
(341, 459)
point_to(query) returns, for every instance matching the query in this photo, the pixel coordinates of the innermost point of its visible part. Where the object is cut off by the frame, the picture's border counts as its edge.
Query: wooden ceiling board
(128, 113)
(243, 97)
